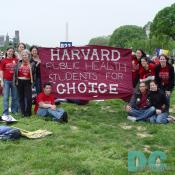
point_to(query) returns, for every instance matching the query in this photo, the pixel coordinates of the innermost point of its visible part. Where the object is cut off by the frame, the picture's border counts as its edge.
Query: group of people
(19, 73)
(153, 80)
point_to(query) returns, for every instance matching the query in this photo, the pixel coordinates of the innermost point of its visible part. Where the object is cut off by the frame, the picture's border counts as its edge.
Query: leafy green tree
(101, 40)
(164, 23)
(126, 34)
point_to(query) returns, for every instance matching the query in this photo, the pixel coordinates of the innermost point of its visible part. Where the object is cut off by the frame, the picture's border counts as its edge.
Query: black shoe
(58, 120)
(65, 117)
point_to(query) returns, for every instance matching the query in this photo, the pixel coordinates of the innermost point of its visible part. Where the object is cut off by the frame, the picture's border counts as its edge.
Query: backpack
(8, 133)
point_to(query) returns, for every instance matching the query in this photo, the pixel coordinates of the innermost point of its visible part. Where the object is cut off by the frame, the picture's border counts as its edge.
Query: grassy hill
(96, 141)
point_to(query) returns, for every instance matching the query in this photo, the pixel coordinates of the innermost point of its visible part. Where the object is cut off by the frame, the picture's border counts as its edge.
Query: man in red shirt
(45, 105)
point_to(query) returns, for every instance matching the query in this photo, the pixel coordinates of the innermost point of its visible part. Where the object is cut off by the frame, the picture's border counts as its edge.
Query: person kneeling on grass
(139, 107)
(45, 105)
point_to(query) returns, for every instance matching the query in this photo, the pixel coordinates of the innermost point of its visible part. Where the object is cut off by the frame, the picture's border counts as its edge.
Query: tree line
(160, 33)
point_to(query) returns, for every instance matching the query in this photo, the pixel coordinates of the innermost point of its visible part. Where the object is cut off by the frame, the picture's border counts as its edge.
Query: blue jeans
(8, 88)
(160, 118)
(142, 114)
(55, 114)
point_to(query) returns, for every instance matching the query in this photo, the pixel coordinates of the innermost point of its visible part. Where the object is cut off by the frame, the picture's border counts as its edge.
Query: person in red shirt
(146, 70)
(45, 105)
(6, 73)
(140, 54)
(135, 70)
(24, 77)
(136, 63)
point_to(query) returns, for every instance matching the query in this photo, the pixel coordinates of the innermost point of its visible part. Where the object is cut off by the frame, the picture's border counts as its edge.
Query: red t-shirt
(135, 68)
(42, 97)
(164, 75)
(146, 73)
(143, 101)
(8, 66)
(135, 64)
(24, 71)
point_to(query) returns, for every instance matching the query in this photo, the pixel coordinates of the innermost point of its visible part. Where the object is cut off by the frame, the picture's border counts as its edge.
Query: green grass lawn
(96, 141)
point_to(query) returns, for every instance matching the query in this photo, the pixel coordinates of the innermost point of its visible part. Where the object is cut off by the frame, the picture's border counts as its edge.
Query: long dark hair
(9, 49)
(33, 47)
(137, 89)
(143, 53)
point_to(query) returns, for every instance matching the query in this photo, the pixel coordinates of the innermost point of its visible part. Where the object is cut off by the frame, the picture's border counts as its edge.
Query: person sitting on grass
(139, 107)
(45, 105)
(159, 101)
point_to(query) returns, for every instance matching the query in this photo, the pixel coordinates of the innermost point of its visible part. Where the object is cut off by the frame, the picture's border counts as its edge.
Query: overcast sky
(43, 22)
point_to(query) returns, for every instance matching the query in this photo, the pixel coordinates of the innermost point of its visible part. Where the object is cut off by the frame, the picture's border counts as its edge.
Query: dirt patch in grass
(74, 128)
(144, 135)
(67, 173)
(140, 128)
(147, 148)
(125, 126)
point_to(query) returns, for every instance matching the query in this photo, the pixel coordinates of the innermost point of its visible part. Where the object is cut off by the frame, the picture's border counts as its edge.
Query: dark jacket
(158, 100)
(33, 69)
(170, 85)
(37, 69)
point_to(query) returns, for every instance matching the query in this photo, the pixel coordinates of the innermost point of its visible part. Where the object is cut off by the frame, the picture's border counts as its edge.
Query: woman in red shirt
(24, 78)
(146, 70)
(6, 72)
(136, 61)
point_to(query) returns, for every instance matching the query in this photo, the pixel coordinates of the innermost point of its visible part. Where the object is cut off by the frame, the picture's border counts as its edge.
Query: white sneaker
(8, 118)
(5, 117)
(133, 119)
(12, 118)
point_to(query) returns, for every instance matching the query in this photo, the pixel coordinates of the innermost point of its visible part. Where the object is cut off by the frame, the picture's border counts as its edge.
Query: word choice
(83, 88)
